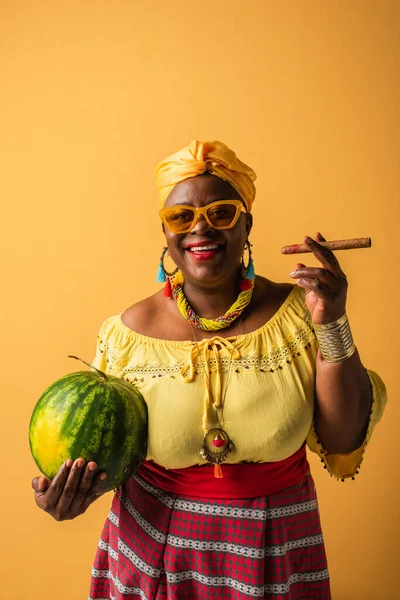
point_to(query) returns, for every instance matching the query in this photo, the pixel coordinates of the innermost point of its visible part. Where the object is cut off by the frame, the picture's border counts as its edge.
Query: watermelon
(91, 415)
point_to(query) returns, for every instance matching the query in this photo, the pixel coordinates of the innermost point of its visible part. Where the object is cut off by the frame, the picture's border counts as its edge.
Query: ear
(249, 223)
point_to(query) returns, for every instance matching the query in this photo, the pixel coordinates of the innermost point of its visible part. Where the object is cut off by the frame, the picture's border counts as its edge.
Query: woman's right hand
(71, 492)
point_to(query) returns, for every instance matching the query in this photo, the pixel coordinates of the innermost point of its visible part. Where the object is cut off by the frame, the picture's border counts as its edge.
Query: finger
(52, 494)
(297, 267)
(325, 256)
(94, 492)
(322, 275)
(67, 497)
(57, 486)
(40, 484)
(316, 286)
(84, 485)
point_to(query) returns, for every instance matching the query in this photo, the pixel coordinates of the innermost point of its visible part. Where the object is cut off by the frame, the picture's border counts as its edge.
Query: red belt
(242, 480)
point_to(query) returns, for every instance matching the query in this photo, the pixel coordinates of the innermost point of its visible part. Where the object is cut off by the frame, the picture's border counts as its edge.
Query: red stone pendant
(219, 441)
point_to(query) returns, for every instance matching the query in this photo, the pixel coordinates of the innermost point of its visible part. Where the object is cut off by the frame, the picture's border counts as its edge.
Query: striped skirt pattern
(159, 545)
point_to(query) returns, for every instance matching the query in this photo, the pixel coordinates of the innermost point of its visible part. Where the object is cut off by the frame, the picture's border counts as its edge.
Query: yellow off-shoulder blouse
(264, 380)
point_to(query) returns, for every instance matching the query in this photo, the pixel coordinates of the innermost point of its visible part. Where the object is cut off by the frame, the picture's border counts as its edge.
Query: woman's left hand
(326, 286)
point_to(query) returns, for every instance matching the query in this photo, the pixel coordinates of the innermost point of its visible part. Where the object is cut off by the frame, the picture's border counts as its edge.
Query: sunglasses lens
(179, 219)
(222, 215)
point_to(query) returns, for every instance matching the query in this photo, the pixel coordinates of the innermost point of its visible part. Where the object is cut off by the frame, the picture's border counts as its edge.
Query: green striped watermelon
(94, 416)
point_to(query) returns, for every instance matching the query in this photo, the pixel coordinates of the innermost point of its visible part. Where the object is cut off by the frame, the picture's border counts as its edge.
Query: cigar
(332, 245)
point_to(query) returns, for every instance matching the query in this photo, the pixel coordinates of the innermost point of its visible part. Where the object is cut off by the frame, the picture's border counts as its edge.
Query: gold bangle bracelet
(335, 340)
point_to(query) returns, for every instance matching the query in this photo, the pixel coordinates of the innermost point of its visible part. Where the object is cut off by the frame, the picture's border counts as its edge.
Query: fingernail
(69, 463)
(292, 274)
(79, 463)
(102, 476)
(92, 466)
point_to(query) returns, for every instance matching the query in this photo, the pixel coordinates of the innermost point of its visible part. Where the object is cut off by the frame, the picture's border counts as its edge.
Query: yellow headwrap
(198, 157)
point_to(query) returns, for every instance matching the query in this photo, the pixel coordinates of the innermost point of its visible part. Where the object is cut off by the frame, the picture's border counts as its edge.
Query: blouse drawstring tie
(206, 350)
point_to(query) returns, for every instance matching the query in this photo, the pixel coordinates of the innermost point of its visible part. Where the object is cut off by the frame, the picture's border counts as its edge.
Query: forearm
(342, 405)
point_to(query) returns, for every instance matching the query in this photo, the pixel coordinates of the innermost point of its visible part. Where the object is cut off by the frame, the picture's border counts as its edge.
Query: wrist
(323, 317)
(335, 339)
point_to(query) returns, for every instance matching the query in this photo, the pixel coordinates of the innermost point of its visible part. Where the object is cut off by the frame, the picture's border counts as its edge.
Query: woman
(238, 374)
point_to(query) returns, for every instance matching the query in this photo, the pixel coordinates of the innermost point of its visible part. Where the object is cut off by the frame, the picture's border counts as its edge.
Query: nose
(201, 226)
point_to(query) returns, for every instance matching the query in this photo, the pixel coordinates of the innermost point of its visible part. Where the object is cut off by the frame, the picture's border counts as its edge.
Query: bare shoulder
(141, 316)
(156, 317)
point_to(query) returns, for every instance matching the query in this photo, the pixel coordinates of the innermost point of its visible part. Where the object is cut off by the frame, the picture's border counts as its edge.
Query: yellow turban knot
(198, 157)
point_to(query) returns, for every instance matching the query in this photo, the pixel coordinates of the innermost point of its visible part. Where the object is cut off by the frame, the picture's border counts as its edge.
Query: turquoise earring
(161, 274)
(248, 271)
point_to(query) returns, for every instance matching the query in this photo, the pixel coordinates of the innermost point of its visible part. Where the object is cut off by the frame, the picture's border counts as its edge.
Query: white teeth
(201, 248)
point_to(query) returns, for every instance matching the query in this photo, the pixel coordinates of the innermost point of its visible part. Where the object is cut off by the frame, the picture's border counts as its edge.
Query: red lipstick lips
(203, 250)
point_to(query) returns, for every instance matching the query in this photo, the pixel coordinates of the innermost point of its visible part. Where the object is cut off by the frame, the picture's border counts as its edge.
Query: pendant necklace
(216, 447)
(217, 443)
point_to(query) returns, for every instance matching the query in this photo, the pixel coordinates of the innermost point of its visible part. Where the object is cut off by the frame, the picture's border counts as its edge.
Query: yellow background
(92, 95)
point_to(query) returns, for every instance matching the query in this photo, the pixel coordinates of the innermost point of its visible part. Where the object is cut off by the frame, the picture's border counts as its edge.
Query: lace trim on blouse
(291, 347)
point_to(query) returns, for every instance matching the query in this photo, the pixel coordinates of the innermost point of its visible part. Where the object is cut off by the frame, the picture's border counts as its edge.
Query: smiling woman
(213, 229)
(239, 375)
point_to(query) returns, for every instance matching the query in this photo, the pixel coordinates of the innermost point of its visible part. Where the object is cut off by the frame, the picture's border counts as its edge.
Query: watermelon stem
(89, 365)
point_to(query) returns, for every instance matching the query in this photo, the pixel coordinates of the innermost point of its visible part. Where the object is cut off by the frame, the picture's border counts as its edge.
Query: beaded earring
(163, 275)
(248, 271)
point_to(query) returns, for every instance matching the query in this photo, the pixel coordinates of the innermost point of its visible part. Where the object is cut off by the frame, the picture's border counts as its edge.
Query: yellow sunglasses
(222, 214)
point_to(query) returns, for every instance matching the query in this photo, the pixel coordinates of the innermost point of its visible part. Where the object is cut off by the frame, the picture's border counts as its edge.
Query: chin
(208, 274)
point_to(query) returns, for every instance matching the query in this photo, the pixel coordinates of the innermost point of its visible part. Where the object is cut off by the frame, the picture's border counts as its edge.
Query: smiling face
(206, 255)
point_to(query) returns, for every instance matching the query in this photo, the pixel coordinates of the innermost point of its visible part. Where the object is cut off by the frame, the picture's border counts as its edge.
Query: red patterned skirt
(156, 544)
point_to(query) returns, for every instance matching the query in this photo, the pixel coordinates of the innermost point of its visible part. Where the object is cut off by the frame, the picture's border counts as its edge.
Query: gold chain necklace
(217, 443)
